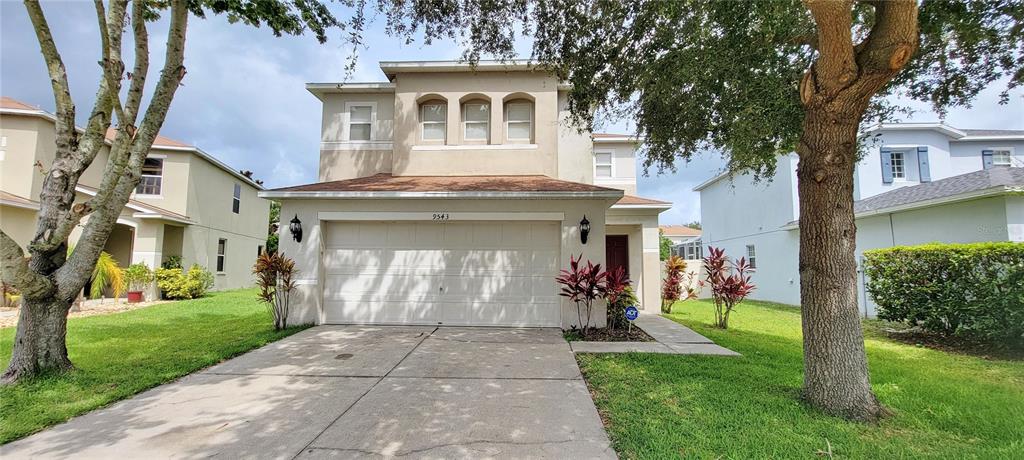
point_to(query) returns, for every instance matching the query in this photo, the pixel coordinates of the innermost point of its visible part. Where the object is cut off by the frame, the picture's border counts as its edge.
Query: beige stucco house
(188, 204)
(453, 195)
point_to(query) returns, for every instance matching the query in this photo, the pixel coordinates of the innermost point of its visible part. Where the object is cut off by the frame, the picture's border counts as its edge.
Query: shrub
(672, 285)
(174, 283)
(138, 276)
(729, 283)
(9, 296)
(972, 290)
(172, 262)
(106, 273)
(582, 285)
(619, 295)
(274, 277)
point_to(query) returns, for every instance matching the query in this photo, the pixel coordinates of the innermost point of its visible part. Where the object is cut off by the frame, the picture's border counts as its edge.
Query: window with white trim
(360, 122)
(236, 199)
(602, 164)
(433, 121)
(476, 121)
(222, 247)
(1002, 156)
(151, 181)
(898, 166)
(751, 257)
(519, 121)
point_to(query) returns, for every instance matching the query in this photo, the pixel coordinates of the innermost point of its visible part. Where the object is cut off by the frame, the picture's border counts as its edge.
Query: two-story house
(188, 204)
(916, 183)
(454, 195)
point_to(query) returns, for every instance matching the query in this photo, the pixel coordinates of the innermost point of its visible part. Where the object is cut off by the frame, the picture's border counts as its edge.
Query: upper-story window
(476, 121)
(152, 177)
(899, 170)
(236, 199)
(602, 164)
(433, 121)
(360, 121)
(1002, 157)
(519, 121)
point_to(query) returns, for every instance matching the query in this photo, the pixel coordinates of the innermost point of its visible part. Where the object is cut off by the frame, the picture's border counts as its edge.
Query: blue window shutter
(987, 161)
(922, 163)
(886, 156)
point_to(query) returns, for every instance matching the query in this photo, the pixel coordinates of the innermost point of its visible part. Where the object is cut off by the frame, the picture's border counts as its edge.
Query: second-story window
(433, 118)
(1001, 157)
(476, 121)
(360, 119)
(519, 121)
(152, 177)
(602, 164)
(898, 166)
(236, 199)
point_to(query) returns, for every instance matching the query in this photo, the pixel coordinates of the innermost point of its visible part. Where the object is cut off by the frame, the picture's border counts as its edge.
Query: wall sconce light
(584, 229)
(296, 229)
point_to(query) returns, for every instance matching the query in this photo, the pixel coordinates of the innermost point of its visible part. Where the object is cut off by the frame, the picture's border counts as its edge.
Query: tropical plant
(582, 284)
(106, 273)
(728, 281)
(672, 285)
(618, 293)
(138, 276)
(274, 274)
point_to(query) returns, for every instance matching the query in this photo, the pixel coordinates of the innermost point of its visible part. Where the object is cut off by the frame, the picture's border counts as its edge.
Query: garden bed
(9, 316)
(609, 335)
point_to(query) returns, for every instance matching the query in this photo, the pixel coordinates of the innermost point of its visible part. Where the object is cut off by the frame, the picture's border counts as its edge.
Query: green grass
(662, 406)
(121, 354)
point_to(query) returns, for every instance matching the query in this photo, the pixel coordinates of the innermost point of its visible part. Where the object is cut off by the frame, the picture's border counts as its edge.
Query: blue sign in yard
(632, 313)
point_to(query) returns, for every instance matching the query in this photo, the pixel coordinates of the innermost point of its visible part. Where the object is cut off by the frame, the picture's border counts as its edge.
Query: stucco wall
(18, 223)
(623, 166)
(17, 173)
(306, 306)
(641, 226)
(575, 153)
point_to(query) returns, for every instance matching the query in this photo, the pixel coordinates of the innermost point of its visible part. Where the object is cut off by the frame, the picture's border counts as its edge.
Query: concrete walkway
(355, 392)
(670, 338)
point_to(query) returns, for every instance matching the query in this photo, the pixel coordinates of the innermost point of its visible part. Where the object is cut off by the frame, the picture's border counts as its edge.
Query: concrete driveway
(356, 392)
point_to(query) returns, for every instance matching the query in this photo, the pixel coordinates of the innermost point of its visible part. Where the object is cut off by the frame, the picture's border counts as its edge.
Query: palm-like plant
(583, 285)
(274, 274)
(729, 283)
(106, 273)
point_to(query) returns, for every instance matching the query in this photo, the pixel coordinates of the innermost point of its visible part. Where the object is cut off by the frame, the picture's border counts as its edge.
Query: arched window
(433, 120)
(519, 121)
(476, 120)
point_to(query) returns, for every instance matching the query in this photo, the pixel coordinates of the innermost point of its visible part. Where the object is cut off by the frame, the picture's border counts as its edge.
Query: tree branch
(67, 136)
(141, 69)
(836, 65)
(14, 270)
(893, 38)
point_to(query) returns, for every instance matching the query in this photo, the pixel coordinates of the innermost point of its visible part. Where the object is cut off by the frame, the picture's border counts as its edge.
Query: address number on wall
(441, 216)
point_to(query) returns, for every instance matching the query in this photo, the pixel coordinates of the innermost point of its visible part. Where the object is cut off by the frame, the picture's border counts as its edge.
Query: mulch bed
(610, 335)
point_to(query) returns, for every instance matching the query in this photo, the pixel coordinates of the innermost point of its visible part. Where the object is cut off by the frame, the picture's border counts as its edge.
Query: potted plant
(138, 277)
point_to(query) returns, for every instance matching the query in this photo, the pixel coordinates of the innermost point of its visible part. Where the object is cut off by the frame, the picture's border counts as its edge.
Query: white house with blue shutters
(916, 183)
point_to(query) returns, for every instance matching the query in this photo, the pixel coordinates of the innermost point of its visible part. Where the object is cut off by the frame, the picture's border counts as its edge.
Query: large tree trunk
(39, 344)
(835, 366)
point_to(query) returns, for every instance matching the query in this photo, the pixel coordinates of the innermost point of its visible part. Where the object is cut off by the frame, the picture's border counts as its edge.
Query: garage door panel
(464, 273)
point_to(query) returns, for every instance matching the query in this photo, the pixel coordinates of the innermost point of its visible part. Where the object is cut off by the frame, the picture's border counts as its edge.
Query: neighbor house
(188, 204)
(685, 241)
(916, 183)
(454, 195)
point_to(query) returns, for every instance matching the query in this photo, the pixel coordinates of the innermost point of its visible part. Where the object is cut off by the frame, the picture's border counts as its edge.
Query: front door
(616, 255)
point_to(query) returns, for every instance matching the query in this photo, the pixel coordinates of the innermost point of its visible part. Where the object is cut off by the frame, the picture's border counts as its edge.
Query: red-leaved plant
(583, 284)
(729, 283)
(672, 286)
(619, 295)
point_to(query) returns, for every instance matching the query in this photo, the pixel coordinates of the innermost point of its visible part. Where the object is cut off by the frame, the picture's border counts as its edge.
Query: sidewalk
(670, 338)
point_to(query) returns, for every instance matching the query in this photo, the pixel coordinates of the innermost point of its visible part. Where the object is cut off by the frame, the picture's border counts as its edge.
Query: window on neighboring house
(236, 200)
(751, 256)
(1002, 157)
(360, 119)
(519, 121)
(476, 121)
(898, 167)
(152, 177)
(221, 254)
(3, 147)
(602, 164)
(433, 118)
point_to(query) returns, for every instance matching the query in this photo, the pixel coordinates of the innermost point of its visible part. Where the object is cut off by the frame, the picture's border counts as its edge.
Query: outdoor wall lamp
(584, 229)
(296, 229)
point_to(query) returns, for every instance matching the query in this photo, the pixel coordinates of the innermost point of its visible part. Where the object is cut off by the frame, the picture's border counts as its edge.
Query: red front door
(616, 253)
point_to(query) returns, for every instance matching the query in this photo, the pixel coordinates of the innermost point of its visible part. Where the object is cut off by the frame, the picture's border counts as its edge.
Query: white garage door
(453, 273)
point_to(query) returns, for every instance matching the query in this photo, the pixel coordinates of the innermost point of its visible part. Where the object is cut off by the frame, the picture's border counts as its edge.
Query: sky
(244, 100)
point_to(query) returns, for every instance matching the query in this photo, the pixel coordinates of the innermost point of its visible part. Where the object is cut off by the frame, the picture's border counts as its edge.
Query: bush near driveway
(669, 406)
(972, 290)
(119, 355)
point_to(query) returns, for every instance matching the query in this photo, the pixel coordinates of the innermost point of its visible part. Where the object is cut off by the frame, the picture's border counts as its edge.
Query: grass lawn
(664, 406)
(121, 354)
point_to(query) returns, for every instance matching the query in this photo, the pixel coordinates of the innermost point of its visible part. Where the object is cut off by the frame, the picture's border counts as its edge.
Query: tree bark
(39, 343)
(835, 366)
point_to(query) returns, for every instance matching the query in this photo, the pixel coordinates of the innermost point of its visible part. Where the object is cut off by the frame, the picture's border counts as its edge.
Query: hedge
(974, 290)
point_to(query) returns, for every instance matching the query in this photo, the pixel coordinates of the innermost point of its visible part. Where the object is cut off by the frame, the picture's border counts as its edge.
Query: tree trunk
(835, 366)
(39, 344)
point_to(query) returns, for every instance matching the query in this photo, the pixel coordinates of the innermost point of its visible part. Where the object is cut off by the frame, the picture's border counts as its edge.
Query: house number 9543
(440, 216)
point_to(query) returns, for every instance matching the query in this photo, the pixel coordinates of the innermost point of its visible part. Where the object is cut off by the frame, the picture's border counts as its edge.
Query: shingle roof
(679, 230)
(638, 200)
(9, 103)
(993, 178)
(160, 141)
(389, 183)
